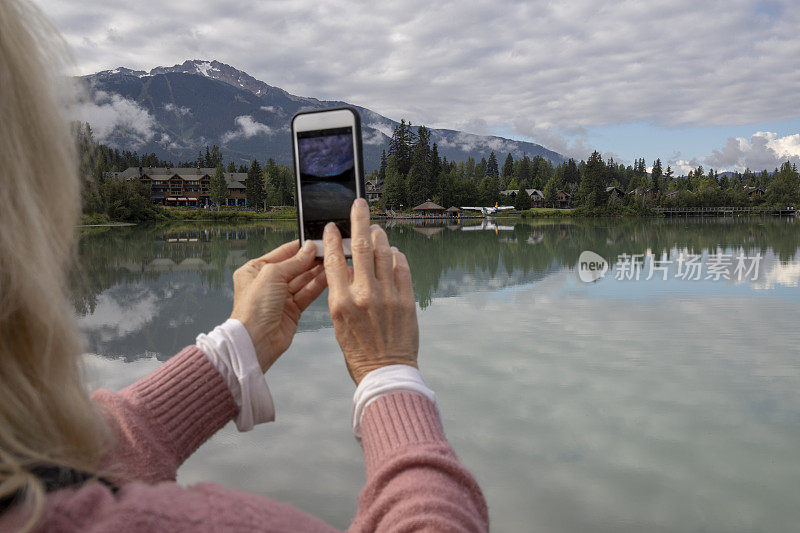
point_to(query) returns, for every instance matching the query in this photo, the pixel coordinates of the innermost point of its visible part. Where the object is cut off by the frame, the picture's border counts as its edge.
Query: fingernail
(308, 245)
(361, 203)
(329, 226)
(394, 249)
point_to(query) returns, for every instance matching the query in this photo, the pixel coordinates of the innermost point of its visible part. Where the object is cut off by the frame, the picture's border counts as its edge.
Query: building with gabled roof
(184, 186)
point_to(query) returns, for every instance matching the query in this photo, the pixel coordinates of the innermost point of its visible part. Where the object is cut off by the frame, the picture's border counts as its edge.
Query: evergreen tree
(536, 179)
(507, 173)
(469, 168)
(522, 202)
(231, 167)
(489, 190)
(480, 170)
(445, 191)
(417, 185)
(783, 190)
(420, 175)
(491, 167)
(216, 156)
(592, 188)
(271, 195)
(656, 176)
(522, 171)
(279, 180)
(551, 192)
(218, 187)
(572, 176)
(394, 190)
(254, 186)
(436, 163)
(382, 169)
(400, 147)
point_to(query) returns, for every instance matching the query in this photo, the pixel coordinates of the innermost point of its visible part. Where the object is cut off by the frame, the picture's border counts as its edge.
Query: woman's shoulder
(139, 506)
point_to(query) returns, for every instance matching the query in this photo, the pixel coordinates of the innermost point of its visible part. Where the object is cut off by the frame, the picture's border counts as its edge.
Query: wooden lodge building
(184, 186)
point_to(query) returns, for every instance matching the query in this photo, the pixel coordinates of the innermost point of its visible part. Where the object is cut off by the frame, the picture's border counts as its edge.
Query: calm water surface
(619, 405)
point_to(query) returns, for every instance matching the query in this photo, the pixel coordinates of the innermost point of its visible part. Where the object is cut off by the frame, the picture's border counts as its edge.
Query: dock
(724, 211)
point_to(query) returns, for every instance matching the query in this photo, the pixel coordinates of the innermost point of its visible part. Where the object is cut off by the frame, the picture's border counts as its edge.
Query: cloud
(467, 142)
(764, 149)
(386, 129)
(112, 319)
(374, 137)
(477, 126)
(444, 64)
(180, 111)
(247, 127)
(268, 108)
(111, 113)
(575, 146)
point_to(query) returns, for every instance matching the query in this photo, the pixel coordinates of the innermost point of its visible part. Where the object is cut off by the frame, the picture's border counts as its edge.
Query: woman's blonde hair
(45, 413)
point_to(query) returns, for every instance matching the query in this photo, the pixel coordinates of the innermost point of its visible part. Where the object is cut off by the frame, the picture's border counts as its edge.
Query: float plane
(489, 211)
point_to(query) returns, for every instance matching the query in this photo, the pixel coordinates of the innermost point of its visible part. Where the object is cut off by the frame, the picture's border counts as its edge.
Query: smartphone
(329, 171)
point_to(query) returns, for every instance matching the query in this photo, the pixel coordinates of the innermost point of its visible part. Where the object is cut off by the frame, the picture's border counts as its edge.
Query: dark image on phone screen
(327, 179)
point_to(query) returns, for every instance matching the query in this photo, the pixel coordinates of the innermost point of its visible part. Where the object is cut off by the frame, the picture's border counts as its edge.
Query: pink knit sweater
(414, 480)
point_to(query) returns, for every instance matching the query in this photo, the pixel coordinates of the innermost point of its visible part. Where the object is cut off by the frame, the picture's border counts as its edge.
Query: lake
(622, 404)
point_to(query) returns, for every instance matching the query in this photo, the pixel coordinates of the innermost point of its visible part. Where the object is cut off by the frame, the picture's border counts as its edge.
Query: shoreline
(289, 214)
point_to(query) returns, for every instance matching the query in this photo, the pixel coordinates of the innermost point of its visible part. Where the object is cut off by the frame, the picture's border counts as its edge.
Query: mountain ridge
(176, 111)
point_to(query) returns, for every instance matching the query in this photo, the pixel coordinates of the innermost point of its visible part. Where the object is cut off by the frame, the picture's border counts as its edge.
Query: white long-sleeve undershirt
(231, 351)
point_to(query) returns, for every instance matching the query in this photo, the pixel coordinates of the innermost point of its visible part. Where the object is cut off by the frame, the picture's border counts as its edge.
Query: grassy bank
(290, 213)
(581, 212)
(538, 212)
(178, 213)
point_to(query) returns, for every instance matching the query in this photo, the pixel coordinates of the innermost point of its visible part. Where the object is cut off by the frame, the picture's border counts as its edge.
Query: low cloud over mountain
(176, 111)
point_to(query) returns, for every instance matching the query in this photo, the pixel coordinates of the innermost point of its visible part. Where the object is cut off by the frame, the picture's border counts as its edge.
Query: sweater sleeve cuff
(396, 421)
(186, 397)
(231, 351)
(386, 380)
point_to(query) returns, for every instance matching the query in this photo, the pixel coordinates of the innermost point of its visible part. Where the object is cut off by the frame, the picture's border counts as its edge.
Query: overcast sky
(711, 82)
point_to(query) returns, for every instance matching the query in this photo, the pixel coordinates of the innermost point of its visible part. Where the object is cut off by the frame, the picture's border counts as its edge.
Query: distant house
(374, 191)
(643, 192)
(236, 188)
(753, 192)
(184, 186)
(671, 194)
(563, 199)
(429, 209)
(615, 193)
(537, 196)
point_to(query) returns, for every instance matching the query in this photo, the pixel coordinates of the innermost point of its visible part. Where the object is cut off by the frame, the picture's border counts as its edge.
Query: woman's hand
(270, 292)
(372, 306)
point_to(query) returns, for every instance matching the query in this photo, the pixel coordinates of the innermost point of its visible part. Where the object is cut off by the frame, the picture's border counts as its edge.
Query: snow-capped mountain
(176, 111)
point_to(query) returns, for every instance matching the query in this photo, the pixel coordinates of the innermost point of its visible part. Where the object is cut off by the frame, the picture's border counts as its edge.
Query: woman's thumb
(300, 262)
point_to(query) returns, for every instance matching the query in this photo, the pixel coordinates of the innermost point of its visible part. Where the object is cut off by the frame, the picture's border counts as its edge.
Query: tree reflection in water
(152, 288)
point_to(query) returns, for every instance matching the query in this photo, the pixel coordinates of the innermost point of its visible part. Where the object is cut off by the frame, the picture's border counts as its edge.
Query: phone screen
(327, 179)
